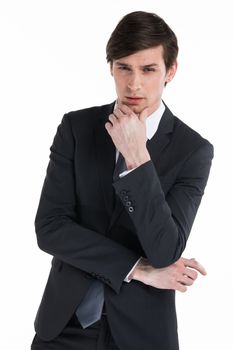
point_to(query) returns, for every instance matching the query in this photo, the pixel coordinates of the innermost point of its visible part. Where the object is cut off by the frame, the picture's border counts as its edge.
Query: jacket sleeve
(58, 230)
(163, 223)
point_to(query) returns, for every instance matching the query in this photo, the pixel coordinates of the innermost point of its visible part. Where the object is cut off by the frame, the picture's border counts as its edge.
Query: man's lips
(134, 99)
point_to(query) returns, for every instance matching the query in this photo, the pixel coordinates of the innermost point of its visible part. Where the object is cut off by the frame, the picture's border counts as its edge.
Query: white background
(52, 60)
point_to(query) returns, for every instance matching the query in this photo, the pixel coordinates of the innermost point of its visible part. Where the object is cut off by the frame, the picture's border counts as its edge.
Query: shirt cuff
(126, 172)
(127, 279)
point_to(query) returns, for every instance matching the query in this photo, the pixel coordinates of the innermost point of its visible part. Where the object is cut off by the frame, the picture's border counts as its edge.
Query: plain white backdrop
(52, 61)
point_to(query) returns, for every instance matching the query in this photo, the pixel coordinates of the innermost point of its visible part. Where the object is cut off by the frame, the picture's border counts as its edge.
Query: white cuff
(127, 279)
(126, 172)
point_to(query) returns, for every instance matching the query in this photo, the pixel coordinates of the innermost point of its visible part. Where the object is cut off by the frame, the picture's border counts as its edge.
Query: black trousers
(74, 337)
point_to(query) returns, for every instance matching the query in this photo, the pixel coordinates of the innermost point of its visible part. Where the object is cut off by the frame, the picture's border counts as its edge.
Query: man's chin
(136, 109)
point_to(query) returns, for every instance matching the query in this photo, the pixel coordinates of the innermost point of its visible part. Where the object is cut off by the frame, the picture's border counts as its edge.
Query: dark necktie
(120, 167)
(90, 309)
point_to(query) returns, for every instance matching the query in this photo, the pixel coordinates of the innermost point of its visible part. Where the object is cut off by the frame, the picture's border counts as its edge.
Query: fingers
(180, 287)
(125, 110)
(194, 264)
(112, 120)
(187, 274)
(118, 114)
(191, 273)
(185, 280)
(108, 126)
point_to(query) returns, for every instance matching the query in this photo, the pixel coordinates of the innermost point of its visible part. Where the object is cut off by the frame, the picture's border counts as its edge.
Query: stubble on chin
(136, 109)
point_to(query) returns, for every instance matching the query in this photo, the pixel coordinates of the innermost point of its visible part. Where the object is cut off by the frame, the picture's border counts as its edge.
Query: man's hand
(128, 133)
(177, 276)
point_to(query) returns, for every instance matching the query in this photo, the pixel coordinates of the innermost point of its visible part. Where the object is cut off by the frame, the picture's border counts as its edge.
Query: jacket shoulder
(89, 115)
(83, 122)
(190, 137)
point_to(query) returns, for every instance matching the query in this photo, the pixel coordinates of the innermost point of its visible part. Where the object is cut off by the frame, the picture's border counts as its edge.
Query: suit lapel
(157, 144)
(106, 155)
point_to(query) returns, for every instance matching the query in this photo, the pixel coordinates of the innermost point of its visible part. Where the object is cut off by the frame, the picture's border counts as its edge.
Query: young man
(123, 186)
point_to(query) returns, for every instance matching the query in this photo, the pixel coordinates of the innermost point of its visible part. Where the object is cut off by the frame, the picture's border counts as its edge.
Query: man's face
(140, 78)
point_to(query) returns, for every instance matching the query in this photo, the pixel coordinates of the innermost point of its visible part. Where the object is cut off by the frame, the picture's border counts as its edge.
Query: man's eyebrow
(143, 66)
(150, 65)
(122, 64)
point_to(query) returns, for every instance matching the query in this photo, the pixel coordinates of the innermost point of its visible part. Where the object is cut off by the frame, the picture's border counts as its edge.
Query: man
(123, 186)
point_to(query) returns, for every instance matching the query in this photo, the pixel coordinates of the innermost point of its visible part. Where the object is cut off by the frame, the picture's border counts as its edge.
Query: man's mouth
(134, 100)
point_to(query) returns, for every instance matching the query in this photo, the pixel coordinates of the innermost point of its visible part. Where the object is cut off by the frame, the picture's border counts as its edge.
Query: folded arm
(177, 276)
(161, 223)
(58, 230)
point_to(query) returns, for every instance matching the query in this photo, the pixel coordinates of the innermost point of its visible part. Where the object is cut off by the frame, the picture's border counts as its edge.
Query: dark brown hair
(142, 30)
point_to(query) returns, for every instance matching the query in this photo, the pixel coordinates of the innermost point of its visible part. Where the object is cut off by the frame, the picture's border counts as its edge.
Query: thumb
(144, 114)
(194, 264)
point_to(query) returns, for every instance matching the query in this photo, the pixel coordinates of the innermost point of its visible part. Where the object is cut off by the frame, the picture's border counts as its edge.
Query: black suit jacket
(95, 228)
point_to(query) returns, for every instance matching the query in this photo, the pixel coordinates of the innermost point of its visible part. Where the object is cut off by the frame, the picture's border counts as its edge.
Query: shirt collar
(153, 120)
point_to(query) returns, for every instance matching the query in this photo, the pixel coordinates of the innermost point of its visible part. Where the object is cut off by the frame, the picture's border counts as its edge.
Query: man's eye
(148, 70)
(124, 68)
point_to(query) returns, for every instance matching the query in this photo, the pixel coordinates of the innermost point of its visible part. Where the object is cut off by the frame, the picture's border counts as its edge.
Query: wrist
(134, 274)
(139, 269)
(137, 160)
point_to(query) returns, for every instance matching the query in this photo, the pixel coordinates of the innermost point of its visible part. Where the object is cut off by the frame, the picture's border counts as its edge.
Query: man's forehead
(146, 57)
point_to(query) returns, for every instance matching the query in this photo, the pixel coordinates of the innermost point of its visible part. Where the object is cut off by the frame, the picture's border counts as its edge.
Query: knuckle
(131, 114)
(194, 261)
(195, 275)
(177, 266)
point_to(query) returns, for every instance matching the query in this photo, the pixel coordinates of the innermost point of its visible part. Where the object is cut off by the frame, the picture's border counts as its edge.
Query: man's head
(142, 30)
(142, 53)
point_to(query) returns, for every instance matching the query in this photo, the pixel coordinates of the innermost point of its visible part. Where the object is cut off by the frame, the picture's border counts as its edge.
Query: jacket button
(123, 192)
(131, 209)
(126, 198)
(128, 204)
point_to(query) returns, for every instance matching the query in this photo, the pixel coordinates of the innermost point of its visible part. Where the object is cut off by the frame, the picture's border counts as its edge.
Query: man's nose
(134, 82)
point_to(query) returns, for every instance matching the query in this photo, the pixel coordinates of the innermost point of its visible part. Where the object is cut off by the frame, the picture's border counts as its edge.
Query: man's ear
(171, 72)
